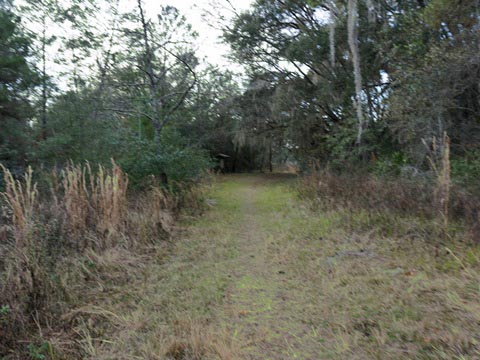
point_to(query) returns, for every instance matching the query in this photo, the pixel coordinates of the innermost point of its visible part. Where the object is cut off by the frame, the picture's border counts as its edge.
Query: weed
(39, 352)
(61, 247)
(5, 310)
(431, 205)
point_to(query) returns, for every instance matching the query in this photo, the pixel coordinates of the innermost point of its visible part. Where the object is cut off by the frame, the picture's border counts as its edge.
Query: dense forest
(112, 121)
(367, 83)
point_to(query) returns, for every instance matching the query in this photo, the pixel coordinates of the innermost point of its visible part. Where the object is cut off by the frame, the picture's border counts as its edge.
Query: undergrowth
(65, 247)
(395, 278)
(383, 204)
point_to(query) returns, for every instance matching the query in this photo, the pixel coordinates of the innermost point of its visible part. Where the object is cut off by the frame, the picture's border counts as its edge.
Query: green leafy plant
(39, 352)
(5, 310)
(391, 164)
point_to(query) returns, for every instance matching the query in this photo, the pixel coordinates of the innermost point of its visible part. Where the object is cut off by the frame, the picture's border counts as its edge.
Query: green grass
(263, 276)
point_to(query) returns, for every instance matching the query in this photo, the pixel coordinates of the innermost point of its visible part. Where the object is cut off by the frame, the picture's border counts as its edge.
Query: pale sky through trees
(204, 16)
(209, 43)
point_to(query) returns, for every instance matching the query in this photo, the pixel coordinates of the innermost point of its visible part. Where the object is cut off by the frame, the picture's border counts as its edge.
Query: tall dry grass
(22, 285)
(20, 200)
(439, 159)
(49, 239)
(93, 201)
(432, 197)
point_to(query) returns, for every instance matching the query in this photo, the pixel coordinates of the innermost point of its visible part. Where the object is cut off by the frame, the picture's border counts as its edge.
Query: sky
(203, 16)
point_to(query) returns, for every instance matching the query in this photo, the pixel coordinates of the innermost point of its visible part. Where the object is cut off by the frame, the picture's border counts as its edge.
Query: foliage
(172, 159)
(391, 165)
(419, 71)
(466, 169)
(17, 79)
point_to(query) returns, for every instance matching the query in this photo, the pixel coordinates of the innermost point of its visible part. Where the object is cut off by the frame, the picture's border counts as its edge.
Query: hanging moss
(331, 35)
(353, 44)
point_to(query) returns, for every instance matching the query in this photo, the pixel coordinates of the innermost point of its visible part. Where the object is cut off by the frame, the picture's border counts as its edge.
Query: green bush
(466, 169)
(172, 158)
(391, 165)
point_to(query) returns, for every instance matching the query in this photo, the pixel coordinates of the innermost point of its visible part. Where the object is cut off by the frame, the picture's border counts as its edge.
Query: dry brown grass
(377, 284)
(62, 249)
(197, 340)
(93, 200)
(23, 284)
(261, 276)
(439, 159)
(20, 199)
(370, 276)
(435, 200)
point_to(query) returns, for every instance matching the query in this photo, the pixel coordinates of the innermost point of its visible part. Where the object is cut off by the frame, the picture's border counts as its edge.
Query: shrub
(172, 159)
(466, 169)
(391, 165)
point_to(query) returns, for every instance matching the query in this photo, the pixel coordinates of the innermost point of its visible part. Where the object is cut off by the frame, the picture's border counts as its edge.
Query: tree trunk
(234, 162)
(103, 66)
(331, 33)
(353, 44)
(270, 157)
(331, 37)
(371, 11)
(153, 86)
(44, 83)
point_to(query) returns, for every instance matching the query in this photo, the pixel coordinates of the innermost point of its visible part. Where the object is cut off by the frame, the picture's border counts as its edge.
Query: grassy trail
(260, 276)
(266, 304)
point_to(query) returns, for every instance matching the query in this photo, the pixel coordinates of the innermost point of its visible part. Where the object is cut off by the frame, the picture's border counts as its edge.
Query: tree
(17, 80)
(41, 14)
(436, 80)
(380, 65)
(357, 72)
(164, 63)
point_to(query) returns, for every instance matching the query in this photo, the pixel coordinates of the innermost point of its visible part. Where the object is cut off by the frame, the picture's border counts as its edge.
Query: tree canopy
(337, 82)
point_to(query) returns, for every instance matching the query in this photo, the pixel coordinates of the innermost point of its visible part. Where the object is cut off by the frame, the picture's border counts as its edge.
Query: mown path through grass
(266, 305)
(228, 289)
(261, 276)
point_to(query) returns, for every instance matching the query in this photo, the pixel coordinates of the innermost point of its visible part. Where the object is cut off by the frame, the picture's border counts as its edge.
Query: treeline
(89, 81)
(369, 83)
(334, 82)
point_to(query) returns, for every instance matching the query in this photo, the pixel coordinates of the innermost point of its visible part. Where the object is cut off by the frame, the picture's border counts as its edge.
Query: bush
(172, 159)
(391, 165)
(466, 169)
